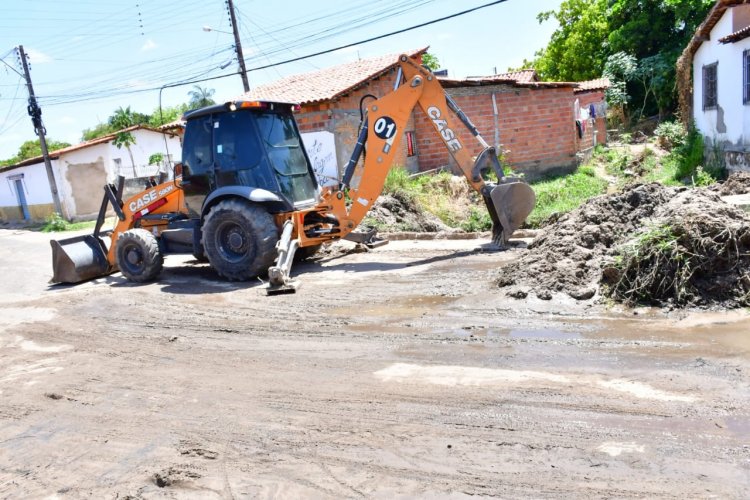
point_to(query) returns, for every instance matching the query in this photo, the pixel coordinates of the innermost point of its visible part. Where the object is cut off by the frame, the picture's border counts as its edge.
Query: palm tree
(120, 120)
(200, 97)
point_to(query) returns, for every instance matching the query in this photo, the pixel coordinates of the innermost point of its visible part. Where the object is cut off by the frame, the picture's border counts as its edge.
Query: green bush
(54, 223)
(671, 135)
(689, 155)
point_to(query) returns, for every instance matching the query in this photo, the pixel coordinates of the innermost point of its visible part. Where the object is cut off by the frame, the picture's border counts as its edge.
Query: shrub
(670, 135)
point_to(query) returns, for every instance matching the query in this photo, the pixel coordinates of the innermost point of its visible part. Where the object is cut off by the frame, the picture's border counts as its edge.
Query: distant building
(81, 171)
(714, 80)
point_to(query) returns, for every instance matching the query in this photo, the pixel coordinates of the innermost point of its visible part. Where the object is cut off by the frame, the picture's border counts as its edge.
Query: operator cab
(247, 143)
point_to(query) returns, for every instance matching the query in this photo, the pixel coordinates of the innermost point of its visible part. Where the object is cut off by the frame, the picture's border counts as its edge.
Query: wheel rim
(133, 258)
(233, 241)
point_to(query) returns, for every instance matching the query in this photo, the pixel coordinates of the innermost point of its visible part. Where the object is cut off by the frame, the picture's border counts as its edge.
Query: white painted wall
(35, 183)
(735, 115)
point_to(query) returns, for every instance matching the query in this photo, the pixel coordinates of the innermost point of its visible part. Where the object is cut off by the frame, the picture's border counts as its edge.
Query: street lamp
(209, 28)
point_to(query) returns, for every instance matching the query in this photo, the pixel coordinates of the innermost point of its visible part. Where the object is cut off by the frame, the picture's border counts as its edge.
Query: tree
(200, 97)
(32, 149)
(121, 120)
(654, 32)
(431, 61)
(167, 114)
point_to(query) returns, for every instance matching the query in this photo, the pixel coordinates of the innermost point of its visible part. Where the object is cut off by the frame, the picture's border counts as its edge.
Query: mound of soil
(593, 246)
(737, 183)
(399, 212)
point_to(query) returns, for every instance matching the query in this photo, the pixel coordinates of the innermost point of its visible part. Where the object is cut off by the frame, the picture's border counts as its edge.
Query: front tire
(138, 255)
(239, 239)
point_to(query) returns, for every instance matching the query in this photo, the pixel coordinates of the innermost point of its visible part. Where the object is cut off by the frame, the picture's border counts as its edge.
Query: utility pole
(35, 112)
(238, 46)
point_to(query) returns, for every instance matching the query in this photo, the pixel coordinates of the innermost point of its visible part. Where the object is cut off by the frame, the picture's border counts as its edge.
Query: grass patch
(55, 223)
(565, 193)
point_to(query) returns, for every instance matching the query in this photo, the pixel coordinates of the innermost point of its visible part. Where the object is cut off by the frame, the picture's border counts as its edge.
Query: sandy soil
(395, 373)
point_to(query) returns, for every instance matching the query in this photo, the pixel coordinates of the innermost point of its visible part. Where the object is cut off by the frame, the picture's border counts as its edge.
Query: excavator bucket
(509, 203)
(79, 259)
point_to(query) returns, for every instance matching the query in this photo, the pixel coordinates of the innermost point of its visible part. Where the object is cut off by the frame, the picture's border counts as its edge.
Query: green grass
(55, 224)
(564, 193)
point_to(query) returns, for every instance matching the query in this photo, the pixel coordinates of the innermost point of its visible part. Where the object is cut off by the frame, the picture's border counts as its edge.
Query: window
(710, 88)
(198, 157)
(746, 77)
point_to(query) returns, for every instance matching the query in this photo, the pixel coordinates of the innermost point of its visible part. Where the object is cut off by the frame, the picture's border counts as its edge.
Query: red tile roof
(328, 83)
(93, 142)
(589, 85)
(521, 76)
(736, 36)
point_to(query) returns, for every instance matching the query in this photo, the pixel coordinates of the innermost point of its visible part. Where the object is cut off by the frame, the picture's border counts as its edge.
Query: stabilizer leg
(278, 274)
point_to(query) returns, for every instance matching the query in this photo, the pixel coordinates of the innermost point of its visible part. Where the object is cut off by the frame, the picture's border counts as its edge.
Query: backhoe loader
(245, 197)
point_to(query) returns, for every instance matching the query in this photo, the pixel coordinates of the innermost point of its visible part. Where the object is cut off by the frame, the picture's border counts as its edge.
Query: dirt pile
(400, 212)
(647, 244)
(737, 183)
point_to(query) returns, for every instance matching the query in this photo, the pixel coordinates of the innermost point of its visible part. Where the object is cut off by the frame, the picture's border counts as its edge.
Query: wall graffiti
(321, 148)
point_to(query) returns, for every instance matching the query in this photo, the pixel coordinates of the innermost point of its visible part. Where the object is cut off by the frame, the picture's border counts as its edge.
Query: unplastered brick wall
(342, 117)
(535, 127)
(599, 124)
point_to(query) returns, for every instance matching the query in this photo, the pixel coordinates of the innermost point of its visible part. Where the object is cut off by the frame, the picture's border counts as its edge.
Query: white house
(81, 171)
(718, 57)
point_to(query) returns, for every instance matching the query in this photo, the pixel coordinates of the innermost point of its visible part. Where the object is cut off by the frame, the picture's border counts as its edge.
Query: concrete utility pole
(238, 46)
(35, 112)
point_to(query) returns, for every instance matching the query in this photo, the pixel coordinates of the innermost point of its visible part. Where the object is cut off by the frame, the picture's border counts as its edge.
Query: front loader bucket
(79, 259)
(509, 204)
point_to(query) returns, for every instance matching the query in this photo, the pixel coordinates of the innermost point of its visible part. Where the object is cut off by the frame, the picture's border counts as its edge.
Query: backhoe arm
(509, 202)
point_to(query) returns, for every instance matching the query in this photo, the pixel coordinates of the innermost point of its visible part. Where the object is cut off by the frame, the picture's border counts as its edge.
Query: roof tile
(327, 83)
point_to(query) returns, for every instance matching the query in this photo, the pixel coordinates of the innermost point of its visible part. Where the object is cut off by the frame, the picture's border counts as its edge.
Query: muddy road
(395, 373)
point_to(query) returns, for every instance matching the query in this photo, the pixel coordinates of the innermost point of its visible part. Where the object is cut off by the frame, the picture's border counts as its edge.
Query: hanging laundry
(579, 128)
(592, 111)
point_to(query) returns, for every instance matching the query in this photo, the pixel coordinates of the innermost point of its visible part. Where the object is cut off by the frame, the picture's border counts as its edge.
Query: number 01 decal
(385, 127)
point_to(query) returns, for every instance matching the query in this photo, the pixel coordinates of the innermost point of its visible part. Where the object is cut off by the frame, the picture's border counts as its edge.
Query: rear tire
(239, 239)
(138, 255)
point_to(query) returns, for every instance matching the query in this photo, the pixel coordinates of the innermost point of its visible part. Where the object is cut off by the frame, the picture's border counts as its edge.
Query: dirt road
(395, 373)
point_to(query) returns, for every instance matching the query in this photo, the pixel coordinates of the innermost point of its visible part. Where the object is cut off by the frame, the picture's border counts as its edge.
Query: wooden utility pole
(36, 118)
(238, 46)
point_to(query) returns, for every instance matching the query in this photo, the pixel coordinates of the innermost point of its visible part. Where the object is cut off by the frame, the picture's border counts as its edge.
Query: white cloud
(37, 57)
(149, 45)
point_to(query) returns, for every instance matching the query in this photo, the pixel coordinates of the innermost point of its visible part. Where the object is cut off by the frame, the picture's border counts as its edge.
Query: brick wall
(536, 126)
(342, 118)
(599, 125)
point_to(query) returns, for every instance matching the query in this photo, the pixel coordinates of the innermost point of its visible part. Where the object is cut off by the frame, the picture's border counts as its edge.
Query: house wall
(342, 118)
(36, 190)
(535, 128)
(727, 126)
(81, 174)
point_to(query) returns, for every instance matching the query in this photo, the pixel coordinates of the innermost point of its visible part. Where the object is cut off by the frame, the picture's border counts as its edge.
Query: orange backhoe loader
(245, 197)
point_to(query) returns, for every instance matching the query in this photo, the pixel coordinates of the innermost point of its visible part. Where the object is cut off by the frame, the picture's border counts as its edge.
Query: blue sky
(90, 56)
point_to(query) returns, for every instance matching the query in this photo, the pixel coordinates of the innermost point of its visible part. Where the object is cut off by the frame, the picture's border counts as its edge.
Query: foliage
(431, 61)
(200, 97)
(167, 114)
(97, 131)
(654, 32)
(156, 159)
(689, 155)
(620, 68)
(576, 50)
(32, 149)
(564, 193)
(670, 134)
(55, 223)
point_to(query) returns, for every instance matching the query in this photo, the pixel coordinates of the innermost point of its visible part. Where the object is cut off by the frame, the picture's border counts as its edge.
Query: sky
(88, 57)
